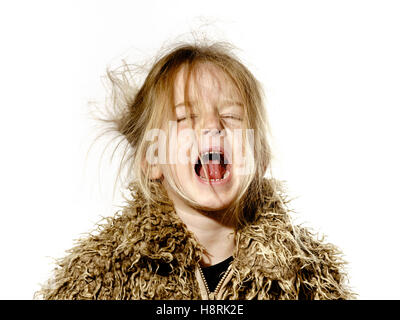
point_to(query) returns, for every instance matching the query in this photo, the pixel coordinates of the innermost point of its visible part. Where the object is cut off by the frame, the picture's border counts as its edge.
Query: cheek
(187, 147)
(237, 145)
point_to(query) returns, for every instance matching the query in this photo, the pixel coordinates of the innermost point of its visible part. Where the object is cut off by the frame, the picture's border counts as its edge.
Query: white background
(331, 73)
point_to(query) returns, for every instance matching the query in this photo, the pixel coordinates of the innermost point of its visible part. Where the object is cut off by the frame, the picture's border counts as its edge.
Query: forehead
(207, 82)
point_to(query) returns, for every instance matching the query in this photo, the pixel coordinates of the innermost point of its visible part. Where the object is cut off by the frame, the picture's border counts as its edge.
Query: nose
(211, 123)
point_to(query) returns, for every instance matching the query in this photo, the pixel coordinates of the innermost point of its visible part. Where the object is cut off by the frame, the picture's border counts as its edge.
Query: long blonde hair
(140, 108)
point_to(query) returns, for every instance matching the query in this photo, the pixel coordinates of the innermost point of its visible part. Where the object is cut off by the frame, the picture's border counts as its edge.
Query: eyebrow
(224, 103)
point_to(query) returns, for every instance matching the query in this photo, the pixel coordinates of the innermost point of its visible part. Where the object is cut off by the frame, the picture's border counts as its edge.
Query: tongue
(215, 171)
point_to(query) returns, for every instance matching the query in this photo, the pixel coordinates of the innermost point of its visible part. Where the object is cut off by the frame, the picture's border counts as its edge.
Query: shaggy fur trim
(146, 252)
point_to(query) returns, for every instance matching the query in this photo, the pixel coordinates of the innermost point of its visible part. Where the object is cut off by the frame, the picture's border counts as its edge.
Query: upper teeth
(206, 156)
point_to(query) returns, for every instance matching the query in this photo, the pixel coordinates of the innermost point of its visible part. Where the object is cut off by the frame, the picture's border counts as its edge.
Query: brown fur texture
(146, 252)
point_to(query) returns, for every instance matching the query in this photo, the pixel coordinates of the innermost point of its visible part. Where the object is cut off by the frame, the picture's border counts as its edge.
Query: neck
(216, 237)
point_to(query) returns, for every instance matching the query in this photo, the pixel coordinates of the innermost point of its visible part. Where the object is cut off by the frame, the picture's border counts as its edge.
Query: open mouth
(212, 167)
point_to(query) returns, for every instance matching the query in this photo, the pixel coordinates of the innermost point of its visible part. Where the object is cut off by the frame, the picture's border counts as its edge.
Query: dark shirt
(214, 274)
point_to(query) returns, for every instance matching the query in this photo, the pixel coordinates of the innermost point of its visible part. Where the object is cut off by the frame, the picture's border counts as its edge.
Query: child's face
(216, 112)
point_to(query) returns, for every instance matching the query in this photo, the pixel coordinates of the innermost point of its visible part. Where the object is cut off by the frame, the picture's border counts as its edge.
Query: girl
(202, 221)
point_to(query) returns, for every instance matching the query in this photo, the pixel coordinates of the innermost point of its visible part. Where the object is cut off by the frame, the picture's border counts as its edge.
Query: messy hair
(140, 107)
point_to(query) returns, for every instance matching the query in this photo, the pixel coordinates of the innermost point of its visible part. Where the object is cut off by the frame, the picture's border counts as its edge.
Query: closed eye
(232, 117)
(192, 116)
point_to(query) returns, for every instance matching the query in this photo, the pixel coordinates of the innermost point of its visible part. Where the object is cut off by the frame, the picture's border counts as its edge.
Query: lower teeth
(213, 180)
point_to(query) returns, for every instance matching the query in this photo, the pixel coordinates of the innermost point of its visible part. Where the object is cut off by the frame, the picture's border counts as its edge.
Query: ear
(155, 170)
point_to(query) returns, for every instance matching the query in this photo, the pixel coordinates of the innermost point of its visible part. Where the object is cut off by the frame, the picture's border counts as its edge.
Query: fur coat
(146, 252)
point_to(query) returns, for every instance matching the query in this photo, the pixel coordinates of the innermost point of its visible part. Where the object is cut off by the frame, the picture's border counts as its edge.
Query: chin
(214, 197)
(213, 204)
